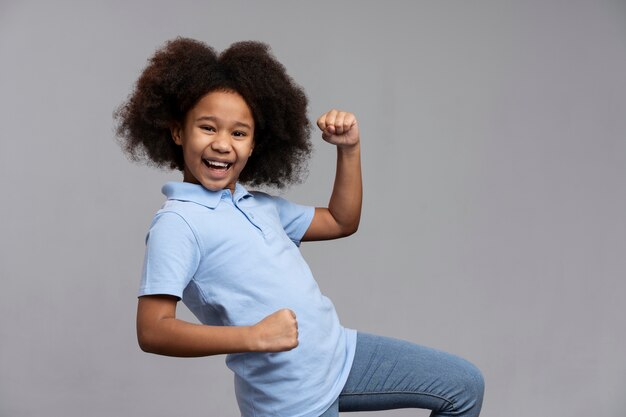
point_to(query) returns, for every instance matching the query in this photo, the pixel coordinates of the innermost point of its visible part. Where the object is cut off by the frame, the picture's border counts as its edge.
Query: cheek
(193, 147)
(187, 154)
(245, 151)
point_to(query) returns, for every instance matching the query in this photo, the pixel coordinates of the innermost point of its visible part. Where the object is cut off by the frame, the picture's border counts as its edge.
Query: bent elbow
(350, 230)
(146, 341)
(143, 343)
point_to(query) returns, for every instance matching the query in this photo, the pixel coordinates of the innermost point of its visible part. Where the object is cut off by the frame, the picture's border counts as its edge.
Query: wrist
(353, 149)
(251, 339)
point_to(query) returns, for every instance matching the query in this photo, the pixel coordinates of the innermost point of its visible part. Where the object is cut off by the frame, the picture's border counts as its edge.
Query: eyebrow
(215, 119)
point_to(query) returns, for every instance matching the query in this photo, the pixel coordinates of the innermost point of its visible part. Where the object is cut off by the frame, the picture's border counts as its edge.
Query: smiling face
(217, 137)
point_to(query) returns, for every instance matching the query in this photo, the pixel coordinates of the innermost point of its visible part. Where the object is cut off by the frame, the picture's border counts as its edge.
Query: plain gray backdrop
(494, 218)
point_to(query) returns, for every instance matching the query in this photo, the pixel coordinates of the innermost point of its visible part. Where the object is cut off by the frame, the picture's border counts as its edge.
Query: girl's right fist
(277, 332)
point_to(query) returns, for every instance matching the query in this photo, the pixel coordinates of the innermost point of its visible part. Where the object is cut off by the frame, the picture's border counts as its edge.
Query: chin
(214, 187)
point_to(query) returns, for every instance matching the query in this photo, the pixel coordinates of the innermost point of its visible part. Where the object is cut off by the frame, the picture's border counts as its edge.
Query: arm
(160, 332)
(341, 217)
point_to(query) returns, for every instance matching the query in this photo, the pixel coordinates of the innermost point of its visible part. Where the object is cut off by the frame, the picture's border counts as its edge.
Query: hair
(183, 71)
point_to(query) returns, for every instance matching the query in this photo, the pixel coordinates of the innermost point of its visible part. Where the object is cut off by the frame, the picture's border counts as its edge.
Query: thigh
(390, 373)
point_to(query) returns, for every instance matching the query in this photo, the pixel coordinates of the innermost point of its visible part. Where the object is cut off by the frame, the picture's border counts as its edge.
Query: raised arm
(160, 332)
(341, 217)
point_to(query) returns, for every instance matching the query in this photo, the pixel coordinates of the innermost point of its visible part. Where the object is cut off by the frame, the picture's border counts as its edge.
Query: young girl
(232, 255)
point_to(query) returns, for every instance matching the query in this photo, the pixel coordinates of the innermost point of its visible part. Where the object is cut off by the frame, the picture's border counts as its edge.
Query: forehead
(225, 105)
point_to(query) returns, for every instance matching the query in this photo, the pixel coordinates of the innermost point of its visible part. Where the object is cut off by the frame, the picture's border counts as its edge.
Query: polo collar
(196, 193)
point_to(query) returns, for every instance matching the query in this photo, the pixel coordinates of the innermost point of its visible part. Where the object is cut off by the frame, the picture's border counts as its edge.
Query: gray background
(494, 219)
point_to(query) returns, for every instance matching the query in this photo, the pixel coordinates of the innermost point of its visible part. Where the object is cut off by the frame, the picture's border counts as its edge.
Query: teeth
(217, 163)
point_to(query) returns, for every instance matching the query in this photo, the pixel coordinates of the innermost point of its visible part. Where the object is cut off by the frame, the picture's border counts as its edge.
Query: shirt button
(251, 215)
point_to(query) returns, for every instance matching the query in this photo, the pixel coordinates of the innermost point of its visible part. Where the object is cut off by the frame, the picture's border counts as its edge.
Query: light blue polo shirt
(234, 259)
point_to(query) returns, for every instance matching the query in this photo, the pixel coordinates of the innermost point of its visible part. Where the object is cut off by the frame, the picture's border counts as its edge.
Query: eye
(239, 133)
(208, 128)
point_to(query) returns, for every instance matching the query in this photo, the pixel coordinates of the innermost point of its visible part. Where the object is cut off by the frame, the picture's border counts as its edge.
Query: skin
(341, 217)
(220, 127)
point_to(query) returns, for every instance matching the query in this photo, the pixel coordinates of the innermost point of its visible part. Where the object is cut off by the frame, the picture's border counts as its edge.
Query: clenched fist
(339, 128)
(277, 332)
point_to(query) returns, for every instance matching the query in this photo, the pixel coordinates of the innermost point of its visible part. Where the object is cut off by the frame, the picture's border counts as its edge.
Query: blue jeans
(389, 373)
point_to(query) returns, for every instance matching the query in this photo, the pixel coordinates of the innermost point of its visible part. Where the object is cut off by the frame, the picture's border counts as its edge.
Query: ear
(251, 149)
(176, 131)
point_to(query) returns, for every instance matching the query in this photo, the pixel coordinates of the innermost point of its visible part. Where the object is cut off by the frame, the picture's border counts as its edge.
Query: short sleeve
(172, 256)
(294, 218)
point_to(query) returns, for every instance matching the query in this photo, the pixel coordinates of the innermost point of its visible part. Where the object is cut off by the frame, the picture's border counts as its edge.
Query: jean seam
(345, 394)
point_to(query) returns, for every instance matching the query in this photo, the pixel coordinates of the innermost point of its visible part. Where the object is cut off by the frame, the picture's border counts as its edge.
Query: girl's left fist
(339, 128)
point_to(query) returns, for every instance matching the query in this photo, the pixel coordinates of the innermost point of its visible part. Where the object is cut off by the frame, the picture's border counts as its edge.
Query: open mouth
(217, 165)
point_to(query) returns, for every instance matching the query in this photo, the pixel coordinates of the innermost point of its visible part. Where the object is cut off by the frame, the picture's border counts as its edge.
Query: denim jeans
(389, 373)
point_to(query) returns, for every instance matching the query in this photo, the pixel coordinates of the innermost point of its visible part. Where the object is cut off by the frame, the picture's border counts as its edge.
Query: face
(217, 139)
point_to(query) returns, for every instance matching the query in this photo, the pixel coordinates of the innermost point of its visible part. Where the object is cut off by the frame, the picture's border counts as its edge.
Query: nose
(221, 143)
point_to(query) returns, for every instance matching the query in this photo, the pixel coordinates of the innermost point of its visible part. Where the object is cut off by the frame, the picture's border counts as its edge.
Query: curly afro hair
(185, 70)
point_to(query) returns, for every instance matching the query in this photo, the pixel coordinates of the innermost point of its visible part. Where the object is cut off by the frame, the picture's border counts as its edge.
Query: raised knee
(479, 382)
(474, 386)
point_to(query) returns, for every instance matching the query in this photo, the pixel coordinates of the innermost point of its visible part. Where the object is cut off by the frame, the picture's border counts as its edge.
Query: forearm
(346, 198)
(160, 332)
(173, 337)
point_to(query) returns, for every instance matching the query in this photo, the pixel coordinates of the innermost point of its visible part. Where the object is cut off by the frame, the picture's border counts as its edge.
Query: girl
(232, 255)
